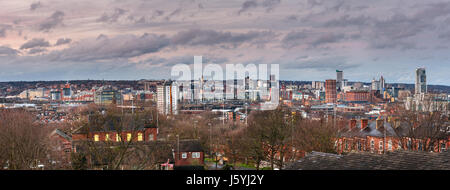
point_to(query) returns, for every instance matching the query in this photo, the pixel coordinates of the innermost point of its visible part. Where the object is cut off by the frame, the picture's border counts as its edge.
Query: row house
(380, 136)
(111, 133)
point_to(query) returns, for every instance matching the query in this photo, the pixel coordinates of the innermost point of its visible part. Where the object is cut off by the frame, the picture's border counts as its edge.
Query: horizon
(365, 82)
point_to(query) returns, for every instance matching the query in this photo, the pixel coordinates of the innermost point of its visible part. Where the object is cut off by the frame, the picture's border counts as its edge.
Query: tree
(23, 142)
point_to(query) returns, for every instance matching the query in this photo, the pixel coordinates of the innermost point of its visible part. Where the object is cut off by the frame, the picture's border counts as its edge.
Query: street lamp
(178, 147)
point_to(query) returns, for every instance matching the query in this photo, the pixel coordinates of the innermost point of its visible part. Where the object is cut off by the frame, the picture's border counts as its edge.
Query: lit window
(140, 137)
(184, 155)
(196, 155)
(117, 138)
(128, 136)
(107, 137)
(96, 138)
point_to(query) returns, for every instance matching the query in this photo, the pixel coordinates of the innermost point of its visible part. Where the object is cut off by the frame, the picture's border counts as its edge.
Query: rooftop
(397, 160)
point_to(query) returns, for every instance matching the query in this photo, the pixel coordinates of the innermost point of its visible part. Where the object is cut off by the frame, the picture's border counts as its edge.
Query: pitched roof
(372, 131)
(398, 160)
(62, 134)
(190, 146)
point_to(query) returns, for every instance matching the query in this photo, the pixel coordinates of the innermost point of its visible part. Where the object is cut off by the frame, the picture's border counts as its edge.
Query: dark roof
(372, 131)
(397, 160)
(115, 125)
(190, 146)
(62, 134)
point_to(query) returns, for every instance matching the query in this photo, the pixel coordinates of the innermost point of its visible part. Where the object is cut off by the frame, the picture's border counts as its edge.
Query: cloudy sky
(143, 39)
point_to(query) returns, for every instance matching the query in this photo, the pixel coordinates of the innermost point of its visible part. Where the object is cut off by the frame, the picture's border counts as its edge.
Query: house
(396, 160)
(188, 154)
(110, 132)
(61, 144)
(380, 136)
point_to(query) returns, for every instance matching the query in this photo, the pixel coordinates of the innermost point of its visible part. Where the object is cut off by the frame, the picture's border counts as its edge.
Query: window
(128, 136)
(399, 147)
(107, 137)
(96, 138)
(140, 137)
(196, 155)
(359, 146)
(390, 145)
(372, 144)
(184, 155)
(380, 147)
(118, 138)
(150, 137)
(443, 147)
(409, 144)
(420, 145)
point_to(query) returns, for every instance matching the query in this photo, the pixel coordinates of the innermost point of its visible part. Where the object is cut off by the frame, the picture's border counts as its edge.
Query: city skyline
(132, 40)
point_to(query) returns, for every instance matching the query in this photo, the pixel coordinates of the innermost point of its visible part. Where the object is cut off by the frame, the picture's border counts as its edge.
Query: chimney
(364, 123)
(380, 123)
(352, 124)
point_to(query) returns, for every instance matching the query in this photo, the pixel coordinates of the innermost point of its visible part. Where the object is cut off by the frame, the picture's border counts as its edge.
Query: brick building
(330, 91)
(357, 96)
(188, 153)
(380, 136)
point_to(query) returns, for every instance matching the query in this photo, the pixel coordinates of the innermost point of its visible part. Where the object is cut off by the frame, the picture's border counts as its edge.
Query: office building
(421, 81)
(330, 91)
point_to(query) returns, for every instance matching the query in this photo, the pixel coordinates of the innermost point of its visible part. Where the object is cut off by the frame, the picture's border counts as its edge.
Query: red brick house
(61, 145)
(143, 133)
(188, 153)
(379, 136)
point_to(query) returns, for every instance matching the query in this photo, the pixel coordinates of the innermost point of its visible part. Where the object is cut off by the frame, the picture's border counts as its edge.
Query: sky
(143, 39)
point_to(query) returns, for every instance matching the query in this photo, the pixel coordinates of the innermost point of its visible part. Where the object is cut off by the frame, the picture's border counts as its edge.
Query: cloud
(53, 21)
(35, 5)
(37, 50)
(196, 37)
(105, 48)
(7, 51)
(294, 38)
(63, 41)
(327, 38)
(321, 63)
(113, 17)
(3, 29)
(157, 13)
(249, 4)
(270, 4)
(35, 42)
(347, 20)
(173, 13)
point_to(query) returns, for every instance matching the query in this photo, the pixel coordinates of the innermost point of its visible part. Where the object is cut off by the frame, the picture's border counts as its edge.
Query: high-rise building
(167, 98)
(330, 91)
(339, 79)
(421, 81)
(318, 85)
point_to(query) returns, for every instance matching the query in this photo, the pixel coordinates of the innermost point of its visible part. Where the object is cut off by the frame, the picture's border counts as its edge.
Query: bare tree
(23, 141)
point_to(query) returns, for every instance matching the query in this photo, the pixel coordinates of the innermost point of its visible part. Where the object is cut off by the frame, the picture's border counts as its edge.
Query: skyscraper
(339, 79)
(421, 81)
(330, 91)
(167, 98)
